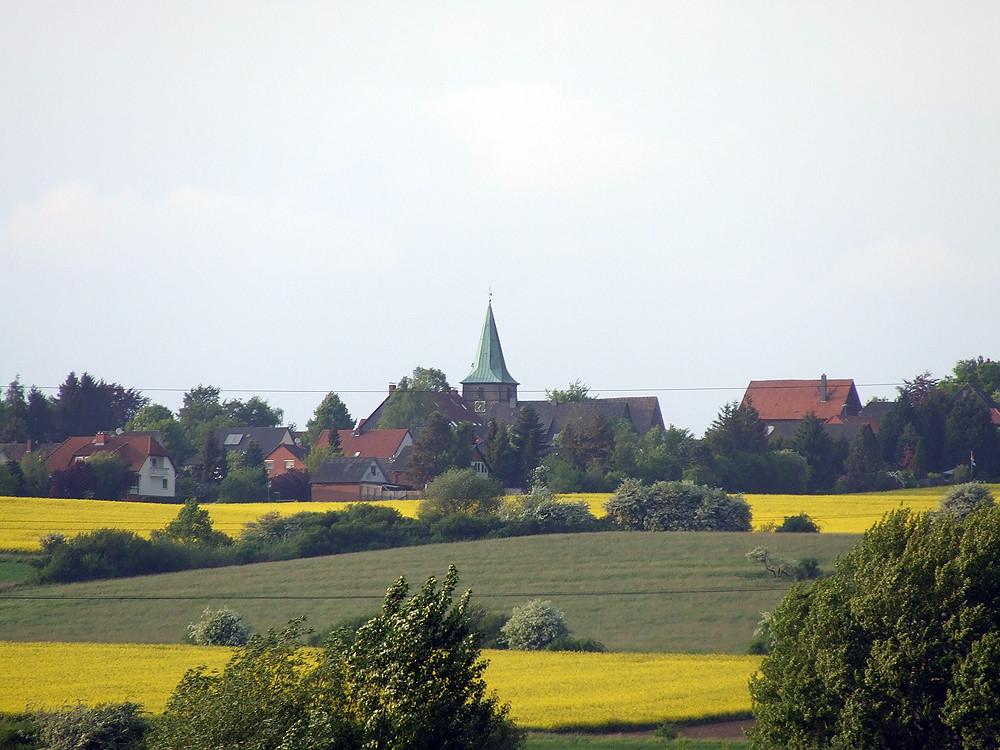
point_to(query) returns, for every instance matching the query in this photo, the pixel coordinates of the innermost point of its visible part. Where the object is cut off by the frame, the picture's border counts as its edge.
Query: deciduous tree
(412, 401)
(331, 414)
(575, 391)
(411, 677)
(858, 662)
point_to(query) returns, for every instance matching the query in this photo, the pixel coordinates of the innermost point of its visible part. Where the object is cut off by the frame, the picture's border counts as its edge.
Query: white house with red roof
(154, 469)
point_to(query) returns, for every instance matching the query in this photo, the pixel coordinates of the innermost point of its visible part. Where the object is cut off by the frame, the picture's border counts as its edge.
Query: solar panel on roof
(234, 438)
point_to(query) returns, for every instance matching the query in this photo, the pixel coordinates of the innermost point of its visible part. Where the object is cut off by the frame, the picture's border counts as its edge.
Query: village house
(155, 472)
(351, 479)
(782, 404)
(277, 445)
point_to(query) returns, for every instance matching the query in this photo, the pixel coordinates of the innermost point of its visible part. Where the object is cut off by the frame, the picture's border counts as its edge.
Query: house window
(153, 462)
(164, 484)
(289, 463)
(269, 465)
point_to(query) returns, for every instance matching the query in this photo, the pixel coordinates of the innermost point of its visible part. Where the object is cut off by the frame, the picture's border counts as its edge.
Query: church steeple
(489, 381)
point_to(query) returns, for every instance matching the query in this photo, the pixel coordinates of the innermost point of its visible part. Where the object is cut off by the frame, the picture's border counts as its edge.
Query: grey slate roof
(349, 471)
(238, 438)
(449, 403)
(642, 411)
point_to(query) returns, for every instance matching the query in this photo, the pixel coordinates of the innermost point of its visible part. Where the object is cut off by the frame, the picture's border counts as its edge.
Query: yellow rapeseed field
(546, 690)
(571, 690)
(24, 520)
(54, 675)
(846, 514)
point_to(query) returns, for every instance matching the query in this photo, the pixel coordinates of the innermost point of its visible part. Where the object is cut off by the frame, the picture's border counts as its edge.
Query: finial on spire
(490, 300)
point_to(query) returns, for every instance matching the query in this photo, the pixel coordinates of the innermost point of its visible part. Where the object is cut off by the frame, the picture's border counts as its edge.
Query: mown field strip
(546, 690)
(24, 520)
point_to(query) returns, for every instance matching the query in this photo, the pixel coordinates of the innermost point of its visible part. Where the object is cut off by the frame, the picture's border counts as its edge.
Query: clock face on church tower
(480, 407)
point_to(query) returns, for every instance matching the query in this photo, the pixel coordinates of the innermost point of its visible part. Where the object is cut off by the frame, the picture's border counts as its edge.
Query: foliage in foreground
(897, 649)
(410, 678)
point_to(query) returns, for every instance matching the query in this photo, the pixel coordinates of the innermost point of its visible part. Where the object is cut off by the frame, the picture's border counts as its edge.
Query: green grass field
(634, 591)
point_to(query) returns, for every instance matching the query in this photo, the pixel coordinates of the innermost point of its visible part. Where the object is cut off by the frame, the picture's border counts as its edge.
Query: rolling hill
(634, 591)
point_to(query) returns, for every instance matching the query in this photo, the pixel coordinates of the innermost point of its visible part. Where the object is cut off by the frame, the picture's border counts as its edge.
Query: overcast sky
(664, 198)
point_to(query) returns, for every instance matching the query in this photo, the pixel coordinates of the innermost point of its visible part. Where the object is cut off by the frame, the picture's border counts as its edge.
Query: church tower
(489, 382)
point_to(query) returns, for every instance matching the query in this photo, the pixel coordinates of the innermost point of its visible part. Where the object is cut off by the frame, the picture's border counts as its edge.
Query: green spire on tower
(489, 366)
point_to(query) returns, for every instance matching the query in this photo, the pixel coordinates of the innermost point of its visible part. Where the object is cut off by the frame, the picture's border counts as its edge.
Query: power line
(324, 391)
(380, 597)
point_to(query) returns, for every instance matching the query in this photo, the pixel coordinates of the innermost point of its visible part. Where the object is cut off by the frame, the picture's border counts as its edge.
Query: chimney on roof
(99, 438)
(392, 387)
(823, 395)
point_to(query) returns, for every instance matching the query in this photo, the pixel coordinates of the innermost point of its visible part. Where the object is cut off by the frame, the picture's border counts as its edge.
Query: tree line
(933, 427)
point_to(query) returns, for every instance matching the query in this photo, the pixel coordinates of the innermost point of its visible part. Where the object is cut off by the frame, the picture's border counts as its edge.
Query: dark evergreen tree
(212, 466)
(864, 460)
(526, 438)
(969, 432)
(432, 450)
(737, 429)
(502, 457)
(812, 442)
(41, 417)
(14, 413)
(86, 406)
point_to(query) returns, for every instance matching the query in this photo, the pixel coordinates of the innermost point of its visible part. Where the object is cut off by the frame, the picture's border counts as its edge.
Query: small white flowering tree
(533, 626)
(220, 627)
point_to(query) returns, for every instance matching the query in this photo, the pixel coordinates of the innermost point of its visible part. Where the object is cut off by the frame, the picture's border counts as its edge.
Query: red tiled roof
(371, 444)
(777, 400)
(133, 449)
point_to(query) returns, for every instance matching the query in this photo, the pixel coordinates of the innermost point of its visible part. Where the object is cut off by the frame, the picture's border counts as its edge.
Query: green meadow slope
(634, 591)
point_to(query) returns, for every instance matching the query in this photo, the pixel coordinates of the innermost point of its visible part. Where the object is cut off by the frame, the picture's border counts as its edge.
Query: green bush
(801, 523)
(533, 626)
(806, 569)
(19, 731)
(543, 513)
(569, 643)
(963, 499)
(461, 491)
(677, 506)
